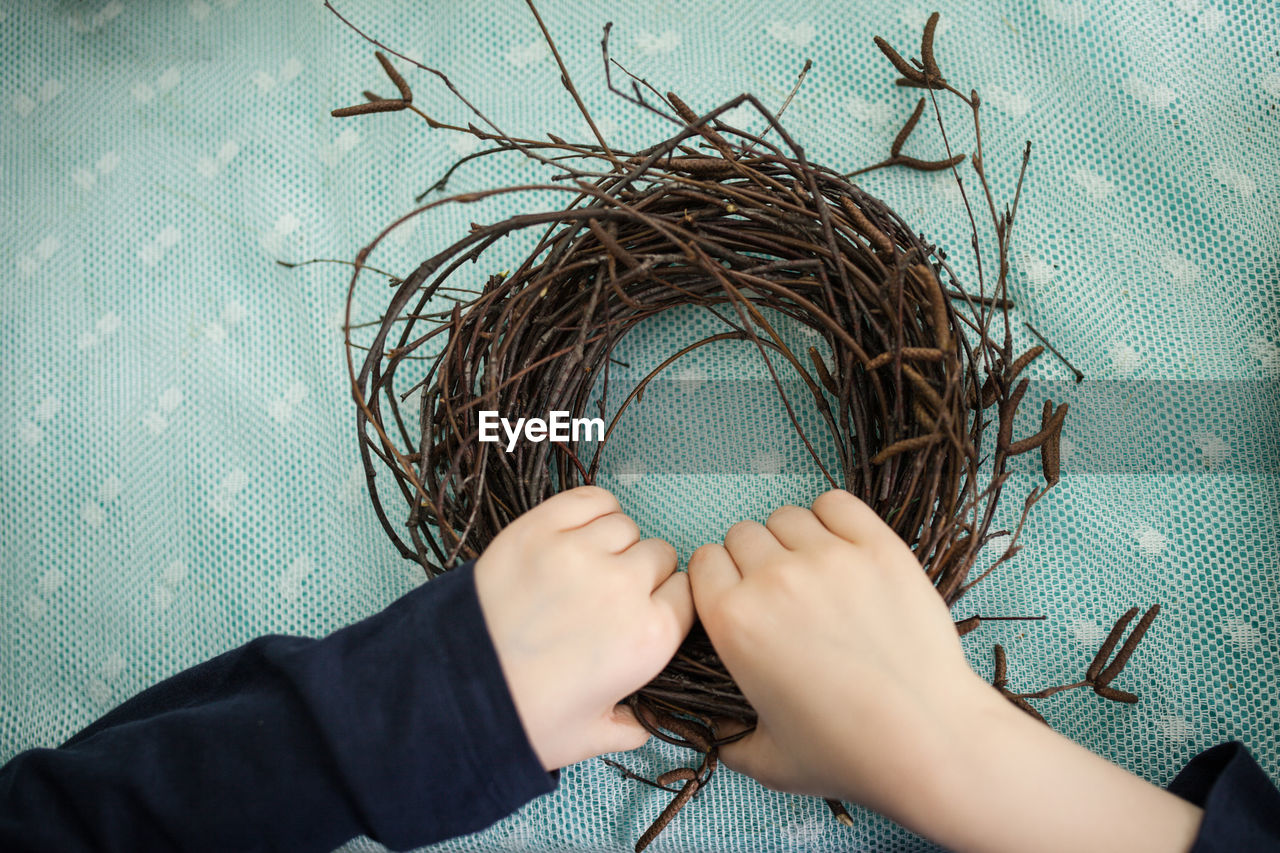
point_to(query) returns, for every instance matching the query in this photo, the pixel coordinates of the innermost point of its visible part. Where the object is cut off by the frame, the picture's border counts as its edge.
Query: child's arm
(401, 726)
(834, 633)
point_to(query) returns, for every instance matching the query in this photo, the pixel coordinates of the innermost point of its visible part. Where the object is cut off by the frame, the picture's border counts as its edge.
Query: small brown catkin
(1050, 461)
(1104, 652)
(1114, 694)
(680, 774)
(1129, 647)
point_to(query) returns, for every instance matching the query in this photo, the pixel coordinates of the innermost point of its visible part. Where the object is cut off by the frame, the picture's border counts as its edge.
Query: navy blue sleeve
(400, 727)
(1241, 806)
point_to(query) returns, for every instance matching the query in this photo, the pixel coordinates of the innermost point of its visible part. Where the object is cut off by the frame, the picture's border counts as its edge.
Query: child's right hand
(829, 625)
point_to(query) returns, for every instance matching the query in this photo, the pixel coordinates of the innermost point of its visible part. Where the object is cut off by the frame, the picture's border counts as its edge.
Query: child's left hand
(582, 612)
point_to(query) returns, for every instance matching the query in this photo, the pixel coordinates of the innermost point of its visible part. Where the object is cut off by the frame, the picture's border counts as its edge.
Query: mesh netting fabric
(181, 472)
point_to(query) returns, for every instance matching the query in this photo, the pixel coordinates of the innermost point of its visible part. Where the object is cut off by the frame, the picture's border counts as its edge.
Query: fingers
(795, 527)
(621, 731)
(574, 507)
(752, 545)
(676, 597)
(756, 755)
(653, 558)
(851, 519)
(612, 533)
(712, 573)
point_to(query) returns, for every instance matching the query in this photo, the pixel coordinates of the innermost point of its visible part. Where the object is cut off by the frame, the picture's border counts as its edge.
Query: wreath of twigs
(743, 226)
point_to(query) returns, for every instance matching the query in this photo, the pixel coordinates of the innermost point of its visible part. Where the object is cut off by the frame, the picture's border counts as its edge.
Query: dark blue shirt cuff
(1241, 806)
(400, 727)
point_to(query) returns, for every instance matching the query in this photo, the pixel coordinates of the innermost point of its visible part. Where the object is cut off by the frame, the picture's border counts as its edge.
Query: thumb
(756, 755)
(619, 731)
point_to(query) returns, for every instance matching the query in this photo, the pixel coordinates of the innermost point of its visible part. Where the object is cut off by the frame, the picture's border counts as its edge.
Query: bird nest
(915, 373)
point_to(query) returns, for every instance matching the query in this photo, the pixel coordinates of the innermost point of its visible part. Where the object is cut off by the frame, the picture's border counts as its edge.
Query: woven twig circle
(747, 226)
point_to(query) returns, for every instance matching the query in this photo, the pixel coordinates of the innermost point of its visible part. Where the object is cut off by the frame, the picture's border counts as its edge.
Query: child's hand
(830, 627)
(582, 612)
(832, 630)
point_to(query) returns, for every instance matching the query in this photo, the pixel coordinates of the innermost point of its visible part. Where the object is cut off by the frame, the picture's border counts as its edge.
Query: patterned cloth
(180, 469)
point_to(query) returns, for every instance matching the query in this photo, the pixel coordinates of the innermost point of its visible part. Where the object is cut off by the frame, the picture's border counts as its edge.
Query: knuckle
(783, 512)
(657, 632)
(621, 528)
(702, 552)
(620, 587)
(788, 576)
(834, 498)
(663, 551)
(562, 548)
(590, 493)
(700, 556)
(834, 550)
(735, 613)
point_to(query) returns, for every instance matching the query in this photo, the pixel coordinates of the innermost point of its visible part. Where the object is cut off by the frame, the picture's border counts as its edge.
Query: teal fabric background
(180, 469)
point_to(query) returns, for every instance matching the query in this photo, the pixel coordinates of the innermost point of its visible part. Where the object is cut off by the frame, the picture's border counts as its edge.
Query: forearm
(1010, 783)
(398, 727)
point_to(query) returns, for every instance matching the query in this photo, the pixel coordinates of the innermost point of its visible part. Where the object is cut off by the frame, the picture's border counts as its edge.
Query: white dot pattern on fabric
(1213, 450)
(110, 489)
(1157, 96)
(1151, 542)
(1268, 355)
(50, 581)
(93, 513)
(766, 462)
(1243, 632)
(35, 608)
(1087, 632)
(47, 408)
(210, 166)
(180, 466)
(1014, 103)
(332, 152)
(234, 313)
(1233, 178)
(631, 472)
(98, 692)
(281, 410)
(1125, 358)
(98, 19)
(1175, 728)
(794, 35)
(290, 583)
(1095, 186)
(527, 53)
(170, 399)
(654, 45)
(223, 499)
(153, 251)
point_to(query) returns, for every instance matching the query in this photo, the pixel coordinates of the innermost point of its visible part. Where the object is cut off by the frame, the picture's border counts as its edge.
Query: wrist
(957, 762)
(1010, 782)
